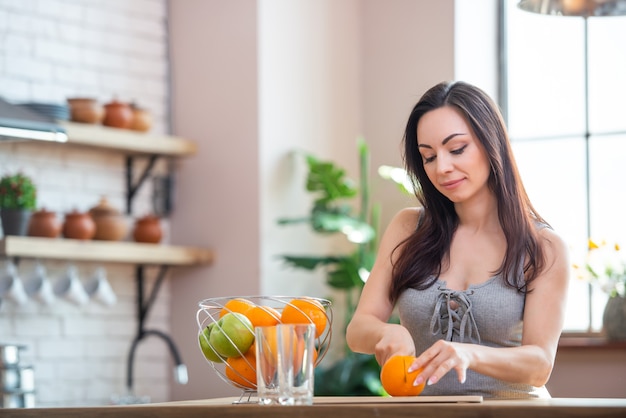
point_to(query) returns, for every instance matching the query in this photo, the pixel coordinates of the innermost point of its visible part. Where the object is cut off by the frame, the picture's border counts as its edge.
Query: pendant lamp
(583, 8)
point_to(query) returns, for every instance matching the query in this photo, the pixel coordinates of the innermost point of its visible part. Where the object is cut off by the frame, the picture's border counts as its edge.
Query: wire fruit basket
(226, 331)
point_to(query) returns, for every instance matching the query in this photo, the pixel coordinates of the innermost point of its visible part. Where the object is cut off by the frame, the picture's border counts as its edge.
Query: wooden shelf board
(103, 251)
(126, 140)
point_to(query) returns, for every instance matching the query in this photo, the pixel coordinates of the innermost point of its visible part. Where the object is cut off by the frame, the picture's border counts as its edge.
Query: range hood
(19, 123)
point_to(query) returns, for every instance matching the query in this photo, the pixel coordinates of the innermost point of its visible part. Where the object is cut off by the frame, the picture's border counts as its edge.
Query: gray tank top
(490, 313)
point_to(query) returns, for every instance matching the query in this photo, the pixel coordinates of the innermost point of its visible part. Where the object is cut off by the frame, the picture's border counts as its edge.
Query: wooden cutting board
(395, 399)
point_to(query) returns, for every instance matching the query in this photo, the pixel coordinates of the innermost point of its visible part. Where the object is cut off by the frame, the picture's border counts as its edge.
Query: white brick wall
(51, 50)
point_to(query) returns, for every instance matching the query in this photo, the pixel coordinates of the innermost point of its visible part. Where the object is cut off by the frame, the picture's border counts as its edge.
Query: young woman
(478, 278)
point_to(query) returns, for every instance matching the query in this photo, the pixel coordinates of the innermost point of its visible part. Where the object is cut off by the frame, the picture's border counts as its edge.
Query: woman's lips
(451, 184)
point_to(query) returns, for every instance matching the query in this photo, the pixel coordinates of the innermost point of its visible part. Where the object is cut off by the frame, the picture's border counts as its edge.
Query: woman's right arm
(368, 332)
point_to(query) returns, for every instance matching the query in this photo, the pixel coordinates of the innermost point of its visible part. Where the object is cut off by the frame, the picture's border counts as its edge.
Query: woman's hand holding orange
(395, 340)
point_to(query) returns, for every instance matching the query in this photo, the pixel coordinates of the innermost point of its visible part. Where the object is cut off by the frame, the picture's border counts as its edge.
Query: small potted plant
(18, 199)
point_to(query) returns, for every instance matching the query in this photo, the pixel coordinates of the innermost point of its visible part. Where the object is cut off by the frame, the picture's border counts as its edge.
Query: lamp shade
(583, 8)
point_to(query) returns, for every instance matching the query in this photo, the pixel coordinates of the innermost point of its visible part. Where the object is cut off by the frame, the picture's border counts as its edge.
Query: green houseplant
(342, 207)
(18, 199)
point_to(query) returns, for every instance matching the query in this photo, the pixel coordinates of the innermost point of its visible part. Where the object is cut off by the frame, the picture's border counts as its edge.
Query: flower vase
(15, 221)
(614, 319)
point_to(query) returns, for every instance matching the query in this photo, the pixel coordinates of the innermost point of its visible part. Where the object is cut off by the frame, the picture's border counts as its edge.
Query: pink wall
(214, 101)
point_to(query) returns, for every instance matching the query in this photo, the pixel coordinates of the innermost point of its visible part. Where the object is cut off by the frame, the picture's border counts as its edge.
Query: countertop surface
(348, 407)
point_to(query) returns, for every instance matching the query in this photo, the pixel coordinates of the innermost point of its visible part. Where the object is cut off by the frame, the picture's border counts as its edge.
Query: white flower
(605, 266)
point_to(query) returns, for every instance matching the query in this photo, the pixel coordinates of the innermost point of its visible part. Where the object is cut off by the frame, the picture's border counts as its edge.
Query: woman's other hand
(441, 358)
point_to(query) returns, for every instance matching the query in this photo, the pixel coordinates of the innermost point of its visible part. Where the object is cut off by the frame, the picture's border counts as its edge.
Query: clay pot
(148, 229)
(44, 223)
(117, 115)
(78, 225)
(110, 223)
(142, 119)
(85, 110)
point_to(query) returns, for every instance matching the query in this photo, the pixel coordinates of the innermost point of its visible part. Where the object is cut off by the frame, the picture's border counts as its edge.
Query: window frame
(503, 95)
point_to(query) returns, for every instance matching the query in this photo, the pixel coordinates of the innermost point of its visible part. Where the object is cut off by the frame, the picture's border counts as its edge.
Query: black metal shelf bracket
(132, 188)
(143, 307)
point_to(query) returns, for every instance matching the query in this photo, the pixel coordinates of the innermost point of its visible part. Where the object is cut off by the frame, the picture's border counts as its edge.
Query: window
(546, 110)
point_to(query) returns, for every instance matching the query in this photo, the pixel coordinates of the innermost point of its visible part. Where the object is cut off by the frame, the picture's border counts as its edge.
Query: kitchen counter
(345, 408)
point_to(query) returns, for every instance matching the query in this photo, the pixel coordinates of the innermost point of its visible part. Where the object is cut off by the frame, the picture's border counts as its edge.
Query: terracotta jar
(78, 225)
(110, 223)
(117, 115)
(148, 229)
(44, 223)
(142, 119)
(85, 110)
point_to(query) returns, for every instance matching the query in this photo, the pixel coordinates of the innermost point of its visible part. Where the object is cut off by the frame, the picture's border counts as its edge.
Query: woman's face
(454, 159)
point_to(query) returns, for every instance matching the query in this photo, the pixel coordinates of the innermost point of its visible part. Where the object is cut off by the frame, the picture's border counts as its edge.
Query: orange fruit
(242, 370)
(396, 380)
(305, 311)
(263, 316)
(239, 305)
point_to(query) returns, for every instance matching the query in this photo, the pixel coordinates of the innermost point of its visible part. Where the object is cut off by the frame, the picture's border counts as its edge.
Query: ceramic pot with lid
(85, 110)
(117, 115)
(142, 119)
(111, 225)
(78, 225)
(148, 230)
(44, 223)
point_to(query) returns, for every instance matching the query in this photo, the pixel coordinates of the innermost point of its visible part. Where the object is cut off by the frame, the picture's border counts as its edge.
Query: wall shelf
(134, 145)
(127, 141)
(103, 251)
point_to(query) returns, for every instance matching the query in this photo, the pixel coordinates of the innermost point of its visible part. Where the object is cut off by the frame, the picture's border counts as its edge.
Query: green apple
(232, 335)
(206, 348)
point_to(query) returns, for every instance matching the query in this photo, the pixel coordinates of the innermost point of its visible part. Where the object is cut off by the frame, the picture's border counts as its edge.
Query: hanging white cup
(99, 289)
(11, 286)
(39, 287)
(70, 288)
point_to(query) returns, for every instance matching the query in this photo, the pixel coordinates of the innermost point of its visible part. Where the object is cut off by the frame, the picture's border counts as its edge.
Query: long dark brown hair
(420, 256)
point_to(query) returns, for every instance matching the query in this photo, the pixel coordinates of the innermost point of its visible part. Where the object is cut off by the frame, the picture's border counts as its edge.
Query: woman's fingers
(437, 361)
(441, 370)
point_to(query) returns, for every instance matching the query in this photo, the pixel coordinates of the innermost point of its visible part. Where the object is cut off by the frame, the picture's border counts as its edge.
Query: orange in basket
(263, 316)
(242, 370)
(305, 311)
(240, 305)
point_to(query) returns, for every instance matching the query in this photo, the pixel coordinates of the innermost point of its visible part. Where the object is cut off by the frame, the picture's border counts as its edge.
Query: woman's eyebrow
(444, 142)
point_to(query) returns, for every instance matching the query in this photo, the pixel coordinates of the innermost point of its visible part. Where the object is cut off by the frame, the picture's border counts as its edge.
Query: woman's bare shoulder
(555, 247)
(552, 240)
(407, 219)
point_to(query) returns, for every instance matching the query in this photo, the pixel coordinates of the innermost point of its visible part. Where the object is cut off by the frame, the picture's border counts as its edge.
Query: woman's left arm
(530, 363)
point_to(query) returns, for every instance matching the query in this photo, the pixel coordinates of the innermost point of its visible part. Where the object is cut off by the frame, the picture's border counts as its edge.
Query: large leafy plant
(332, 212)
(341, 206)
